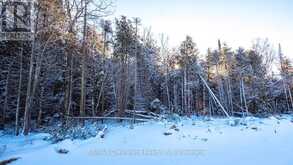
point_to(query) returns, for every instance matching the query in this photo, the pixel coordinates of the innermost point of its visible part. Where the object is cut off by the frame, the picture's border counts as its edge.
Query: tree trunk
(214, 97)
(19, 93)
(230, 95)
(27, 112)
(244, 97)
(67, 77)
(290, 96)
(122, 88)
(39, 120)
(175, 108)
(5, 106)
(70, 83)
(83, 79)
(286, 95)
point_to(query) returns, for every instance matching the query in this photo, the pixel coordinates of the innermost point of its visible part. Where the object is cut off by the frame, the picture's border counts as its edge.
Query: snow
(198, 141)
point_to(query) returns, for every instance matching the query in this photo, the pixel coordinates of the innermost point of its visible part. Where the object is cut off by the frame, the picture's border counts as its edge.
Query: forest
(79, 65)
(79, 81)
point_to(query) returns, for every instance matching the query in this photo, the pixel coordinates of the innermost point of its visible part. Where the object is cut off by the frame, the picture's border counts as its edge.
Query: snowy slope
(257, 141)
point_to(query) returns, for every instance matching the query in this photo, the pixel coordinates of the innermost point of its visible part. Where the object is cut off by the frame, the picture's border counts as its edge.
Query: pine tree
(123, 50)
(188, 56)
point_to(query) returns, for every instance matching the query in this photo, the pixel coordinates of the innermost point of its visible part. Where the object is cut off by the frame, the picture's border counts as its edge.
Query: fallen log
(110, 118)
(5, 162)
(154, 114)
(141, 115)
(102, 133)
(144, 112)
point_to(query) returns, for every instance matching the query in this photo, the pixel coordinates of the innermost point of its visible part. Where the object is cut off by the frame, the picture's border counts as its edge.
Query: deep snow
(198, 141)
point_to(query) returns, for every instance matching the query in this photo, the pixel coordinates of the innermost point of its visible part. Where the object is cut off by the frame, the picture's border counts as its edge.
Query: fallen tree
(109, 118)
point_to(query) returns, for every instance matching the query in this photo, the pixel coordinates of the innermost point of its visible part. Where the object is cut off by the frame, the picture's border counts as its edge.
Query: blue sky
(236, 22)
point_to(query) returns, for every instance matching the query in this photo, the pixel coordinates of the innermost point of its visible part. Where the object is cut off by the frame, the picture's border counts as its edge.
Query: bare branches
(265, 49)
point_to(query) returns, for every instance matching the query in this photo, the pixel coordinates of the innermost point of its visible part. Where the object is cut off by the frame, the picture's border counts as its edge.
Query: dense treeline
(80, 65)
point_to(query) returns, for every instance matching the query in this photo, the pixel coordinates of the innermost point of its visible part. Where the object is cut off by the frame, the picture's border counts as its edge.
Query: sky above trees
(237, 22)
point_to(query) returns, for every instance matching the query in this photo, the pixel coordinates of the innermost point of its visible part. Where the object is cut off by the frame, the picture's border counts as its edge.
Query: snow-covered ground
(193, 141)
